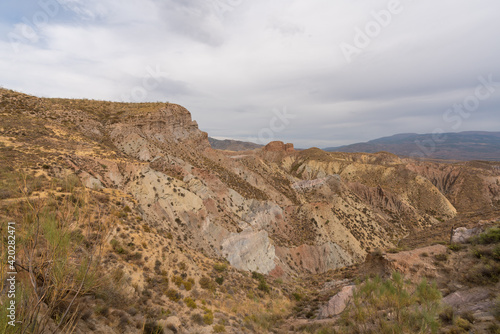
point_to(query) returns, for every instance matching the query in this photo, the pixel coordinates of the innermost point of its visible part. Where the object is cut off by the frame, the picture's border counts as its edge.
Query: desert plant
(298, 296)
(496, 309)
(152, 327)
(441, 257)
(263, 286)
(447, 315)
(179, 281)
(462, 323)
(455, 247)
(496, 253)
(207, 284)
(58, 268)
(190, 302)
(173, 295)
(220, 267)
(392, 306)
(484, 273)
(490, 236)
(219, 328)
(469, 316)
(208, 318)
(197, 319)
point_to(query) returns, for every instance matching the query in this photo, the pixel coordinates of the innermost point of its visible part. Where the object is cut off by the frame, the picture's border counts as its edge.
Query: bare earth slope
(274, 210)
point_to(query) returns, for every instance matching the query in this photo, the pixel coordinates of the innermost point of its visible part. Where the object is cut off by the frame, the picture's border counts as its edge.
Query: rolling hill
(232, 145)
(462, 146)
(128, 221)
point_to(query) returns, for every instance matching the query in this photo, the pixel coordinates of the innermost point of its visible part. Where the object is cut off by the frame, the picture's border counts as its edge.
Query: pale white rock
(89, 181)
(462, 235)
(338, 303)
(250, 250)
(261, 215)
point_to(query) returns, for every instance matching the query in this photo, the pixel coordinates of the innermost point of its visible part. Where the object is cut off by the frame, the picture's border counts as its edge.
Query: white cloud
(231, 62)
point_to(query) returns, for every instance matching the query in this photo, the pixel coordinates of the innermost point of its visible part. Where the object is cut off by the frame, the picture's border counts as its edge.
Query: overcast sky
(316, 73)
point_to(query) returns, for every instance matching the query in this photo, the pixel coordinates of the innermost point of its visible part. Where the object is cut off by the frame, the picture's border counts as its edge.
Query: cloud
(232, 62)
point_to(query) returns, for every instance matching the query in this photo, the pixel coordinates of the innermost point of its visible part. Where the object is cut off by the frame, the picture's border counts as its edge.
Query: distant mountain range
(232, 145)
(471, 145)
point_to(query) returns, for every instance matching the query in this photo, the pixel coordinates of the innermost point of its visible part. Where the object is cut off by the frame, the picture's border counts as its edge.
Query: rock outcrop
(338, 303)
(273, 209)
(462, 234)
(279, 146)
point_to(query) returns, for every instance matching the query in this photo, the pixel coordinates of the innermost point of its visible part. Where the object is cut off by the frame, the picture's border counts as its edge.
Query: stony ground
(200, 240)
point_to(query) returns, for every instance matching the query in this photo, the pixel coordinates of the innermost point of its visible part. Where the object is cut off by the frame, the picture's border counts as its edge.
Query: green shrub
(70, 183)
(220, 267)
(469, 316)
(490, 236)
(219, 280)
(297, 296)
(494, 328)
(455, 247)
(208, 318)
(102, 310)
(484, 273)
(462, 323)
(197, 319)
(206, 283)
(152, 327)
(117, 247)
(406, 307)
(219, 328)
(178, 280)
(477, 253)
(190, 302)
(173, 295)
(263, 286)
(496, 253)
(441, 257)
(257, 276)
(496, 309)
(447, 315)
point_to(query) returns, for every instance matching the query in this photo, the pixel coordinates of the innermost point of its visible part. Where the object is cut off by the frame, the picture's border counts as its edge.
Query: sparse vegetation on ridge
(138, 185)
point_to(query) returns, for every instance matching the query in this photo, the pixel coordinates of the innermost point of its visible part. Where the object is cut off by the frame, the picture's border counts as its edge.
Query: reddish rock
(412, 264)
(277, 272)
(337, 303)
(279, 146)
(289, 147)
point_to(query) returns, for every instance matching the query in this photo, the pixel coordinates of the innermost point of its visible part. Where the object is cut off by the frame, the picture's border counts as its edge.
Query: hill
(464, 146)
(127, 221)
(232, 145)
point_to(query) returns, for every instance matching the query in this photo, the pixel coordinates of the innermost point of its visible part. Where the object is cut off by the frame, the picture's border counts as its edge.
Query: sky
(315, 73)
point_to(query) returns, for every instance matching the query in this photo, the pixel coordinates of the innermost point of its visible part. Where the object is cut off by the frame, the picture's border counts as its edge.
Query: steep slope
(184, 206)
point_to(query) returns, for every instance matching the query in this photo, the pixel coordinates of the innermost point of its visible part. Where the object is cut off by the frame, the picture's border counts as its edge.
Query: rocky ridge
(274, 210)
